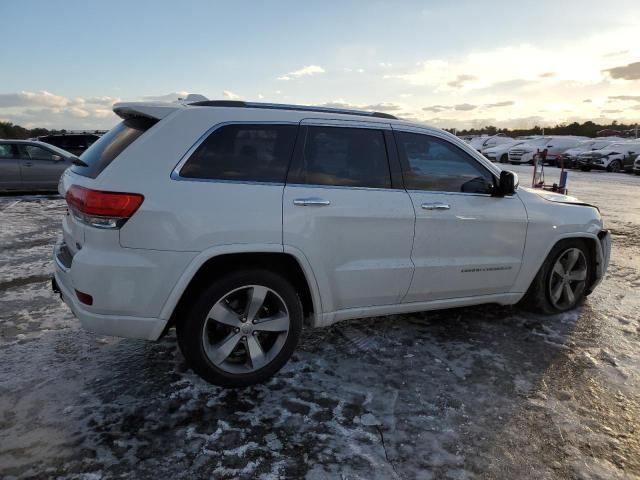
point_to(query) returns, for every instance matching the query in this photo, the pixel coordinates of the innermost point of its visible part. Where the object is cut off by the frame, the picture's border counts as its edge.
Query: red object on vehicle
(103, 204)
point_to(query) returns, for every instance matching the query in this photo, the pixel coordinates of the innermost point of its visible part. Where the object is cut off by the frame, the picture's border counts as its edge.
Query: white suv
(238, 223)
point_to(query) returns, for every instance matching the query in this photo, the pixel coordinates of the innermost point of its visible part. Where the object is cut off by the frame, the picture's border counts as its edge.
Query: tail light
(102, 209)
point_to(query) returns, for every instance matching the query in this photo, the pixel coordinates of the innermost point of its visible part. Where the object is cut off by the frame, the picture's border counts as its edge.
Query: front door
(342, 210)
(467, 242)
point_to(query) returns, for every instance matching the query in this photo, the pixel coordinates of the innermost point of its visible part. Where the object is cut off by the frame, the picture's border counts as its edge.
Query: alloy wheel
(246, 329)
(568, 278)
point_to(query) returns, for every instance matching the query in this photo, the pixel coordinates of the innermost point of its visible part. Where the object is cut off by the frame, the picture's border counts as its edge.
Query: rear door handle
(436, 206)
(311, 202)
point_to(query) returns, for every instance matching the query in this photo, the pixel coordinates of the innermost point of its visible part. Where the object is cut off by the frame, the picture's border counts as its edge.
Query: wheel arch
(593, 243)
(211, 264)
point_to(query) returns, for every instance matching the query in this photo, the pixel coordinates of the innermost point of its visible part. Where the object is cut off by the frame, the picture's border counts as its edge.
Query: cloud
(629, 98)
(547, 74)
(436, 108)
(506, 86)
(611, 111)
(615, 54)
(587, 100)
(228, 94)
(461, 80)
(626, 72)
(304, 72)
(376, 107)
(32, 99)
(507, 103)
(465, 107)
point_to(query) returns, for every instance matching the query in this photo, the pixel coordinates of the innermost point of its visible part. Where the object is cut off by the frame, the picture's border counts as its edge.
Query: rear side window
(349, 157)
(243, 152)
(112, 144)
(7, 151)
(33, 152)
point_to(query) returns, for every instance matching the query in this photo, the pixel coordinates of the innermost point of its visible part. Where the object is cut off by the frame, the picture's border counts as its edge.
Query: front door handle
(311, 202)
(436, 206)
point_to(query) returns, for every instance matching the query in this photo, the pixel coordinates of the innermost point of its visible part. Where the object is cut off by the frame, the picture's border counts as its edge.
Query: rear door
(345, 210)
(9, 167)
(40, 167)
(467, 242)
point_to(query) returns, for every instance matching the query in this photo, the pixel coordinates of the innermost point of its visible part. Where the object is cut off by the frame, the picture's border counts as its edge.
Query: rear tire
(504, 158)
(563, 280)
(242, 329)
(585, 169)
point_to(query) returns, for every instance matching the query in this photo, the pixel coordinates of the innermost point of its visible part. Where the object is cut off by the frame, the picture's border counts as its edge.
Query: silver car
(27, 165)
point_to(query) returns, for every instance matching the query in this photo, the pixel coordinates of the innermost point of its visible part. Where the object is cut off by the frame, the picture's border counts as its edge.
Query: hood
(558, 198)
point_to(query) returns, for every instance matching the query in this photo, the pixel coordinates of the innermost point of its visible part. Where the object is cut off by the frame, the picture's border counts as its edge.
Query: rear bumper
(113, 313)
(116, 325)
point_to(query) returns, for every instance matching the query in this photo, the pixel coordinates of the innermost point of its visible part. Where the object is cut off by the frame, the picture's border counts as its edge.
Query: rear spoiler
(154, 110)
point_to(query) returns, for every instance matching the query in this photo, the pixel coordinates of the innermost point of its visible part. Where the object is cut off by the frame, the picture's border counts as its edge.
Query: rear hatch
(137, 118)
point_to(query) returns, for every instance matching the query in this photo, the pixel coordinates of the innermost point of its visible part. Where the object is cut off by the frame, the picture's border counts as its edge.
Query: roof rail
(282, 106)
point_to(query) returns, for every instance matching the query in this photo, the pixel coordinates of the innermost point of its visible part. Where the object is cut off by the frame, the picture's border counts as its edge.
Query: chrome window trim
(325, 122)
(175, 173)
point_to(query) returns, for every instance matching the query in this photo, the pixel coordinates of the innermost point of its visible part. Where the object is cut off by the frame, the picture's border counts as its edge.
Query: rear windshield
(112, 144)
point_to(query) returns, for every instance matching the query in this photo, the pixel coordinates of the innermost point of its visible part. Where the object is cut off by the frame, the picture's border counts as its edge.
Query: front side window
(32, 152)
(243, 152)
(340, 156)
(433, 164)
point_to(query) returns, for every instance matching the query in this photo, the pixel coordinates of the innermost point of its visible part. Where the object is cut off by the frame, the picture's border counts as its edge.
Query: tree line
(586, 129)
(10, 131)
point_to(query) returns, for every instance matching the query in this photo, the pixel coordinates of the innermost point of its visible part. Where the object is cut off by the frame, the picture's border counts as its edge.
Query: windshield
(615, 146)
(99, 155)
(539, 141)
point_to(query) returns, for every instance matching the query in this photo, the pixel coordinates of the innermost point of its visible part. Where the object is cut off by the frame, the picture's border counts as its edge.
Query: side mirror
(56, 158)
(508, 183)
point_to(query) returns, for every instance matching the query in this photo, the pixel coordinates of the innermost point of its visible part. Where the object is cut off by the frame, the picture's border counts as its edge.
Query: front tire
(615, 166)
(242, 329)
(562, 282)
(504, 158)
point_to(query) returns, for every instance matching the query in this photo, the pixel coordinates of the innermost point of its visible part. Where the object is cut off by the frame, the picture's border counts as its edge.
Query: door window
(258, 153)
(32, 152)
(347, 157)
(7, 150)
(433, 164)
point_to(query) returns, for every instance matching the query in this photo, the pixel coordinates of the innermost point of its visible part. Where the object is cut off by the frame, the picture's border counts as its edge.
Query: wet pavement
(483, 392)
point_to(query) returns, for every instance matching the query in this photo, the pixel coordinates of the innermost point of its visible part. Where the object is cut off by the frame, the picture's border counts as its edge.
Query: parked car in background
(28, 165)
(554, 145)
(238, 223)
(569, 157)
(614, 157)
(500, 153)
(75, 143)
(488, 141)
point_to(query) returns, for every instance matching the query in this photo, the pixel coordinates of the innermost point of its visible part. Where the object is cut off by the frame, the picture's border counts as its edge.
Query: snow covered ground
(483, 392)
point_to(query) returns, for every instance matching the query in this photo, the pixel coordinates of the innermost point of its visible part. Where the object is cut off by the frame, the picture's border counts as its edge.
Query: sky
(451, 64)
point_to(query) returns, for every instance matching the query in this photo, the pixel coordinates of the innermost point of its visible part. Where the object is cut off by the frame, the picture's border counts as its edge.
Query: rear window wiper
(76, 161)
